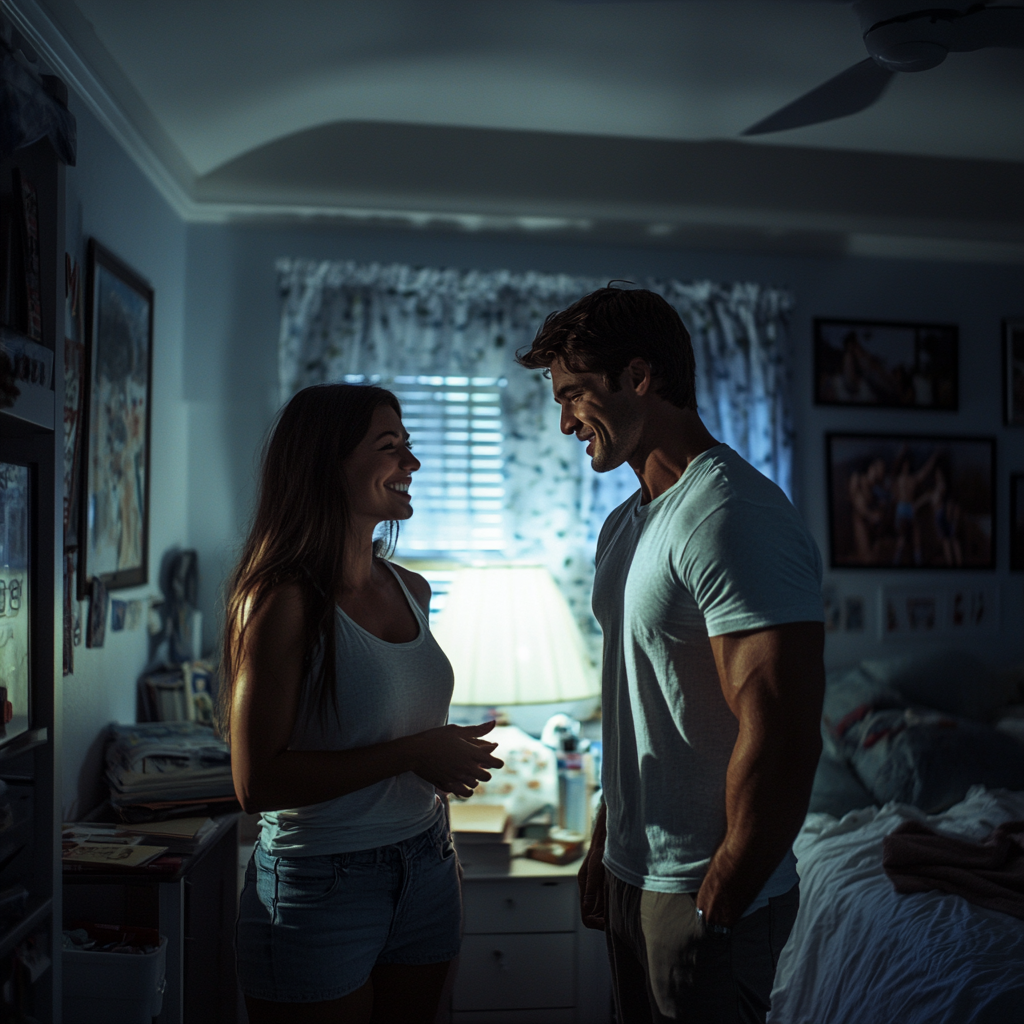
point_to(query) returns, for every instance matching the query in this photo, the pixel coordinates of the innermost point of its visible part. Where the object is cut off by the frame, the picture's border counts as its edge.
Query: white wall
(109, 199)
(231, 379)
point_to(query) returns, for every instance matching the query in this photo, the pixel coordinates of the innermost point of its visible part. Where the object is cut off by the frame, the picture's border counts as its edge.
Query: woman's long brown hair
(299, 529)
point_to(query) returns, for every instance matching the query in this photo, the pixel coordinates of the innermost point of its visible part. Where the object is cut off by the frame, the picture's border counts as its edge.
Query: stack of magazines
(103, 844)
(160, 767)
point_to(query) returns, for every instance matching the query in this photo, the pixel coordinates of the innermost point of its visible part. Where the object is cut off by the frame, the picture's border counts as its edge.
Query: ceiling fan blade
(850, 92)
(988, 26)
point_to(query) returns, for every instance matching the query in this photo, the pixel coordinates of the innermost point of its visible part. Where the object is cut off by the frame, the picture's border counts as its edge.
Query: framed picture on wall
(74, 374)
(113, 532)
(967, 609)
(885, 365)
(1013, 372)
(15, 599)
(1017, 521)
(911, 502)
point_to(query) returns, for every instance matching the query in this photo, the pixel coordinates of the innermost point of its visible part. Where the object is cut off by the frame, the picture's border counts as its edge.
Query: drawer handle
(499, 959)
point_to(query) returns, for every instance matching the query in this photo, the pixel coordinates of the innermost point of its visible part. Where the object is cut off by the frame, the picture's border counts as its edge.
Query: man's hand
(453, 758)
(591, 878)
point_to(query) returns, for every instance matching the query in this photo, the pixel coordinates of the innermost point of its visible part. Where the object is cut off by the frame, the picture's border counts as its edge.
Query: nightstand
(526, 957)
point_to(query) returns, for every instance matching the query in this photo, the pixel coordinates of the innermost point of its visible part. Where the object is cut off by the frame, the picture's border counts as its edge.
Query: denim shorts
(312, 928)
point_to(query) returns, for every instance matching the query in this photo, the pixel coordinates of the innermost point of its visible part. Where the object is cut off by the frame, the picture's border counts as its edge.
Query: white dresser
(526, 957)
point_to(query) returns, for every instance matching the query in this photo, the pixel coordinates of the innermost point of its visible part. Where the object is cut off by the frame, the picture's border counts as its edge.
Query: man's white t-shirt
(722, 550)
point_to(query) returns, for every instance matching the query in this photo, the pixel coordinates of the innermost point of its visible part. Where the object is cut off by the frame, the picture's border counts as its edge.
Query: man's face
(610, 422)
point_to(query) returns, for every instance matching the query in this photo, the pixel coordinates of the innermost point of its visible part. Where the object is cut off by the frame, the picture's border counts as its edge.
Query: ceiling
(614, 119)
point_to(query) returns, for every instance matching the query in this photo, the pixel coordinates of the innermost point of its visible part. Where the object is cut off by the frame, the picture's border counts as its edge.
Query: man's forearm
(773, 681)
(768, 787)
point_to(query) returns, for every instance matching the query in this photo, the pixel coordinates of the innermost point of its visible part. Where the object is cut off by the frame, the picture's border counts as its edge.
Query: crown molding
(52, 45)
(167, 170)
(935, 250)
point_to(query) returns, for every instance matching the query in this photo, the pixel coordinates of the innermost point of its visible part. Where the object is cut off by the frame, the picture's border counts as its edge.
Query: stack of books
(483, 837)
(182, 694)
(158, 768)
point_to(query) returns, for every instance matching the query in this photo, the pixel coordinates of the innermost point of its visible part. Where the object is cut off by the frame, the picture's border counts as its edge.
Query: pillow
(837, 788)
(847, 692)
(951, 681)
(926, 758)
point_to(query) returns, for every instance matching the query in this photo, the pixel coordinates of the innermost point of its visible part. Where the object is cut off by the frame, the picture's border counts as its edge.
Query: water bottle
(572, 786)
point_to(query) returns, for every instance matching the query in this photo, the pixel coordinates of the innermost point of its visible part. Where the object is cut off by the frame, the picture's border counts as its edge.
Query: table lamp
(511, 639)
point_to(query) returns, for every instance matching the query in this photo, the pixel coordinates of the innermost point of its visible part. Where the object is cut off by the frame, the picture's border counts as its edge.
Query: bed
(929, 740)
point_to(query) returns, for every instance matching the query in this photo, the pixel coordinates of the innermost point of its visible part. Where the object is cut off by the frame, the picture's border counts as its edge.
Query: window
(458, 496)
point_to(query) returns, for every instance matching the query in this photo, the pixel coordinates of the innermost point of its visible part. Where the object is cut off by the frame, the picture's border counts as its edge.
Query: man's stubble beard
(610, 451)
(605, 459)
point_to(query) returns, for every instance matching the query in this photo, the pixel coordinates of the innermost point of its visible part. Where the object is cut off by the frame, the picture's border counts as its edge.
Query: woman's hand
(454, 758)
(269, 776)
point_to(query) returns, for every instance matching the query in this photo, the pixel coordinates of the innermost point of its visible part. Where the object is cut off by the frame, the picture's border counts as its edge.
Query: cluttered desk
(160, 854)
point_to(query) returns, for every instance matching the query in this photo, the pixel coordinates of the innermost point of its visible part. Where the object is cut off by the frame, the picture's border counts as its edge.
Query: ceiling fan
(900, 36)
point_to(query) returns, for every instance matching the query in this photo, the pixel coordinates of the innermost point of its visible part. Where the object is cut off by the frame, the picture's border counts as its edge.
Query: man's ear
(640, 375)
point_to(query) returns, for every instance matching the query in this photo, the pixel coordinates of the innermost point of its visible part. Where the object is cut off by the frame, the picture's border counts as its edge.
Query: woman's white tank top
(384, 691)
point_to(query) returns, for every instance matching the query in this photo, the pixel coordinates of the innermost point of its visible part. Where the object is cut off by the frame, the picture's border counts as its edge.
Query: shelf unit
(32, 409)
(31, 434)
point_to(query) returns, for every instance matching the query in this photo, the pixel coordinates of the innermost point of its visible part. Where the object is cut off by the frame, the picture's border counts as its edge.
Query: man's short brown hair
(604, 330)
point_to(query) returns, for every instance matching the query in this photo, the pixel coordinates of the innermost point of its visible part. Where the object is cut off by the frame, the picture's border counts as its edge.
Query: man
(708, 590)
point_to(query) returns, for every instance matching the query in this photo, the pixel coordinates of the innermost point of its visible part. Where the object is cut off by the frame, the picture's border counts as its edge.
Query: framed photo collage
(913, 500)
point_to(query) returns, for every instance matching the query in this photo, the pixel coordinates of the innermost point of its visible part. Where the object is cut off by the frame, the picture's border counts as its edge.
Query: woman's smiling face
(379, 471)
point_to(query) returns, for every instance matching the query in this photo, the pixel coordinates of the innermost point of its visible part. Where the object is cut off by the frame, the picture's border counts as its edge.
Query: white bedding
(860, 953)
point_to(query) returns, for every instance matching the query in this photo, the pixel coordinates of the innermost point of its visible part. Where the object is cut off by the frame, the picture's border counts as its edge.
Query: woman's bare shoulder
(416, 584)
(281, 612)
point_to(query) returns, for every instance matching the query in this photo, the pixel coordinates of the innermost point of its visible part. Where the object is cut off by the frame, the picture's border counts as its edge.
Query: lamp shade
(511, 638)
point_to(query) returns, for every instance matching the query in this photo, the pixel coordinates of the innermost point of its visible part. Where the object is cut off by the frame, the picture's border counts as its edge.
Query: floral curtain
(341, 318)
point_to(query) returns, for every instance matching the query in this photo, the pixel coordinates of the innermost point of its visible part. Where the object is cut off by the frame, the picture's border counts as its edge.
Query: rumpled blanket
(989, 873)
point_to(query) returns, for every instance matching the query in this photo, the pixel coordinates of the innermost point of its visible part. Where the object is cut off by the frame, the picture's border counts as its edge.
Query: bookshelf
(31, 438)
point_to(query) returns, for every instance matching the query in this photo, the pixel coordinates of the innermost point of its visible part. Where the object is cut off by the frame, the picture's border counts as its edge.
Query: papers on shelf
(179, 835)
(96, 832)
(196, 829)
(113, 855)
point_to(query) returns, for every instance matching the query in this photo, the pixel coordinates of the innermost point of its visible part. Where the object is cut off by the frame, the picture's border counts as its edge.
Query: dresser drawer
(520, 905)
(515, 972)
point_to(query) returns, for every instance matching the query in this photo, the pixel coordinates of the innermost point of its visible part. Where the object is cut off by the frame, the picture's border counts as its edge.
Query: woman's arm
(264, 706)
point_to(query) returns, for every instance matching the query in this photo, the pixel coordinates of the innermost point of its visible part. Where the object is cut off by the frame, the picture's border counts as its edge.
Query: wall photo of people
(911, 502)
(885, 365)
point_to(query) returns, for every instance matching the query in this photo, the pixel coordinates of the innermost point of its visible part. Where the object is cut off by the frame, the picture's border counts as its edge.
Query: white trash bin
(115, 988)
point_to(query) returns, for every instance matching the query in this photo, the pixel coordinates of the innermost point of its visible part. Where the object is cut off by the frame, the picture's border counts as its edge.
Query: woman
(336, 694)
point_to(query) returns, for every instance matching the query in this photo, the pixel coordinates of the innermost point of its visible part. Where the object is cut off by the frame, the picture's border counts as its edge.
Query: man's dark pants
(666, 968)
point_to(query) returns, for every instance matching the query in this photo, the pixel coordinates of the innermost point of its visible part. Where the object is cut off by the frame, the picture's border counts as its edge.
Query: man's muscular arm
(774, 682)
